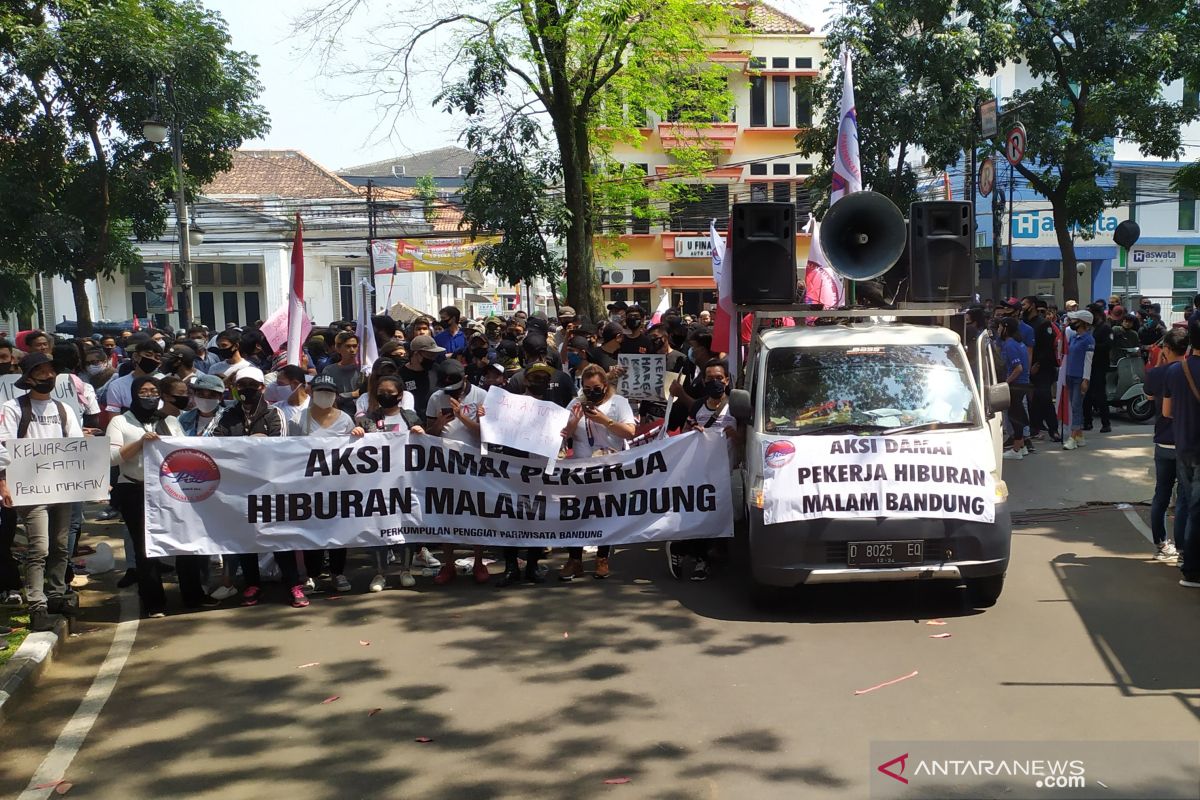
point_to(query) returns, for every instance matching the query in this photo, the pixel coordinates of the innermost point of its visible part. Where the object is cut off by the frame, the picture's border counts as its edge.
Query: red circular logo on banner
(779, 454)
(189, 475)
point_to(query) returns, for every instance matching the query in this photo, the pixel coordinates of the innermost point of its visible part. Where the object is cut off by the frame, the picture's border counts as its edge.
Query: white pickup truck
(862, 385)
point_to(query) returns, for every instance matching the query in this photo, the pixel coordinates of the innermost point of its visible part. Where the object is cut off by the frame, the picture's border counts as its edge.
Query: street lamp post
(156, 131)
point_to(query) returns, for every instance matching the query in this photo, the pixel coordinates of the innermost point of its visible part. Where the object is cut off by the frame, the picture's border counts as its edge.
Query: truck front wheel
(984, 592)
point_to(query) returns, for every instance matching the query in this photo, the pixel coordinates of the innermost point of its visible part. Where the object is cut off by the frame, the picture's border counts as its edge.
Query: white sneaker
(407, 580)
(1185, 583)
(1165, 552)
(341, 583)
(1069, 443)
(1081, 442)
(425, 560)
(1013, 455)
(223, 592)
(378, 583)
(310, 585)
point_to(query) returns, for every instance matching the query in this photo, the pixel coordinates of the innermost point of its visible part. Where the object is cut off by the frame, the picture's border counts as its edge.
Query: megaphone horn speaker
(863, 235)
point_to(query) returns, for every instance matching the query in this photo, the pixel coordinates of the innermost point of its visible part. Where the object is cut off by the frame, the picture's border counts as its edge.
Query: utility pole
(181, 210)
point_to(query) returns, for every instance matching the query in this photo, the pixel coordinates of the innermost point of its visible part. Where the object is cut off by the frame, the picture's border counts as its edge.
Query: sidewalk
(1115, 467)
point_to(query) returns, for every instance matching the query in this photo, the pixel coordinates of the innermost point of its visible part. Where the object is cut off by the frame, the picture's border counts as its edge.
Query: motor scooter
(1125, 386)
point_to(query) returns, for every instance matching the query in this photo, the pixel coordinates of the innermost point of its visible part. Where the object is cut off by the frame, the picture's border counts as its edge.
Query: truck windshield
(810, 389)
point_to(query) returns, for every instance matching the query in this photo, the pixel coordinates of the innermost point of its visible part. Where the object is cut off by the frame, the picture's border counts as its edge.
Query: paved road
(546, 692)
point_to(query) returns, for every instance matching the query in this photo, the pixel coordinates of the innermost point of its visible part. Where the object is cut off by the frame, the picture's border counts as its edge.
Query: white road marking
(1137, 523)
(54, 767)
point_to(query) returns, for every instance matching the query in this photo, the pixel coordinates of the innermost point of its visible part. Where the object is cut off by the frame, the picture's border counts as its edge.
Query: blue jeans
(1075, 393)
(1166, 474)
(1189, 478)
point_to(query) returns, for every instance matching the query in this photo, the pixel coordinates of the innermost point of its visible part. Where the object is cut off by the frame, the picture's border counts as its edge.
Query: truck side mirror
(740, 407)
(998, 398)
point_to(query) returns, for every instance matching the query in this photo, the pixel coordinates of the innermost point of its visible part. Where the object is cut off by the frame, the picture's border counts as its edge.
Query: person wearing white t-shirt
(295, 380)
(37, 415)
(147, 358)
(324, 418)
(453, 413)
(711, 413)
(602, 422)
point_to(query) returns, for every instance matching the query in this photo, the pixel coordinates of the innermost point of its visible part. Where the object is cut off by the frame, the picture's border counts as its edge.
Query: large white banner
(255, 494)
(58, 470)
(944, 476)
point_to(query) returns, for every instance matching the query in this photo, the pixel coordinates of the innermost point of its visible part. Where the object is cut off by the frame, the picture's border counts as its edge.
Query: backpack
(26, 404)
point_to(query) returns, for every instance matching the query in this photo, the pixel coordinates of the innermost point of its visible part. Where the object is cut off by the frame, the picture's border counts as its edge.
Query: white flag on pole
(847, 172)
(368, 350)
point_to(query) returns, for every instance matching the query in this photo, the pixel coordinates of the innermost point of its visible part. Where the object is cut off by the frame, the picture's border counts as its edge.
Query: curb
(24, 669)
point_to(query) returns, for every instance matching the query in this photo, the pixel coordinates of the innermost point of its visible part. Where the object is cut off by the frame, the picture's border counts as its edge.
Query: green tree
(914, 62)
(77, 181)
(588, 68)
(427, 193)
(1101, 67)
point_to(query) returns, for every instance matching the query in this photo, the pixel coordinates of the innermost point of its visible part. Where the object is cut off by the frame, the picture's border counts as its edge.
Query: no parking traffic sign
(1015, 145)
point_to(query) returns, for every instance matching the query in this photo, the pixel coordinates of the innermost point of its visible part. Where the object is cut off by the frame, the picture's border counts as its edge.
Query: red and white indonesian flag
(821, 284)
(296, 316)
(169, 289)
(664, 305)
(847, 173)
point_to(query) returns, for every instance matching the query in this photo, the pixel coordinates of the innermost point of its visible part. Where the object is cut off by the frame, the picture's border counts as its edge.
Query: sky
(311, 112)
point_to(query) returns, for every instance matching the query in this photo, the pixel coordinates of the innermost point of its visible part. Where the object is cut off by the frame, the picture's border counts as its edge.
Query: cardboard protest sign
(523, 423)
(645, 376)
(275, 328)
(943, 476)
(64, 392)
(58, 470)
(254, 494)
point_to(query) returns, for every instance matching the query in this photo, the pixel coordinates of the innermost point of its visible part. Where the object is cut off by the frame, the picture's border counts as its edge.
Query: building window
(346, 292)
(758, 169)
(711, 201)
(758, 101)
(1191, 96)
(782, 192)
(1128, 182)
(779, 63)
(803, 206)
(803, 63)
(758, 193)
(804, 169)
(758, 62)
(641, 276)
(1183, 285)
(781, 118)
(1187, 210)
(1119, 285)
(781, 169)
(642, 298)
(641, 217)
(804, 95)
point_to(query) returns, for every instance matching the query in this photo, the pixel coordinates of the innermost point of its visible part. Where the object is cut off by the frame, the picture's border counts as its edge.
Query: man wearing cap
(36, 415)
(417, 373)
(616, 311)
(201, 419)
(635, 341)
(451, 339)
(493, 327)
(1080, 357)
(612, 338)
(479, 355)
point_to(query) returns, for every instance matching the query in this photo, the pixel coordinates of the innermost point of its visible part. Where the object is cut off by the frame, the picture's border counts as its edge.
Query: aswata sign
(1033, 224)
(693, 247)
(1165, 255)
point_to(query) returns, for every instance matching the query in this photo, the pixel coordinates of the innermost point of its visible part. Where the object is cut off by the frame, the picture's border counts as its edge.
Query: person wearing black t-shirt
(635, 340)
(560, 388)
(417, 373)
(611, 338)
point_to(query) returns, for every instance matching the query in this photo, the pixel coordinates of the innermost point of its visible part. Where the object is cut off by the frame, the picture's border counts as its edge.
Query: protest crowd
(428, 377)
(431, 377)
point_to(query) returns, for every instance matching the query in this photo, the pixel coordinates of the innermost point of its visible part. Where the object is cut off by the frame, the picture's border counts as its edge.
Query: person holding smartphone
(601, 422)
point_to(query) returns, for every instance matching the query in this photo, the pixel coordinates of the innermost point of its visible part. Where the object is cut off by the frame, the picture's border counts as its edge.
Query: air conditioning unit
(616, 276)
(397, 170)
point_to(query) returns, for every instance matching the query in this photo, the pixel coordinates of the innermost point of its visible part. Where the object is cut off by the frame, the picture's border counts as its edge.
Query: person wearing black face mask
(127, 435)
(711, 413)
(417, 373)
(635, 340)
(601, 422)
(481, 354)
(36, 415)
(7, 366)
(147, 357)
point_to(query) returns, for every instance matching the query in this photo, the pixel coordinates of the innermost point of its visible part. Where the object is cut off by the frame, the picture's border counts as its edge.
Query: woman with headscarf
(127, 434)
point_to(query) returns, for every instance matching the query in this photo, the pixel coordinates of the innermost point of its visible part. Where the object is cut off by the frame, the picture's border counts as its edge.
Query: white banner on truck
(940, 476)
(254, 494)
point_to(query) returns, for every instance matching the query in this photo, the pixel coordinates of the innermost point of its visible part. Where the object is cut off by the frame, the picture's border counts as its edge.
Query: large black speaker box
(762, 248)
(941, 251)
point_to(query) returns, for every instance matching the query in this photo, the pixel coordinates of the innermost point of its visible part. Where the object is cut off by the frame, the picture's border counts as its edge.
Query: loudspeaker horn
(863, 235)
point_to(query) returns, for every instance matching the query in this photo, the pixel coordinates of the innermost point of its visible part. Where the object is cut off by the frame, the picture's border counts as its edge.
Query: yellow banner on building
(436, 255)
